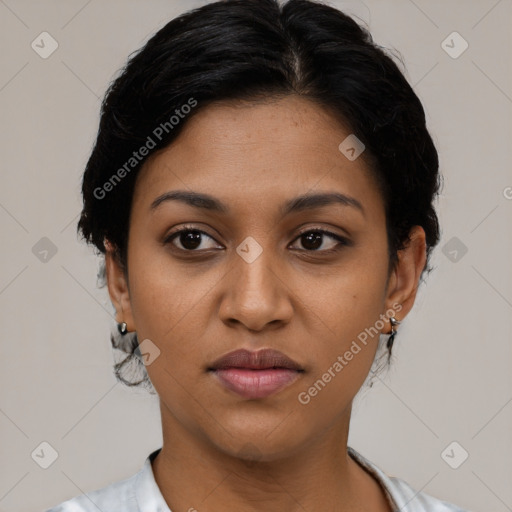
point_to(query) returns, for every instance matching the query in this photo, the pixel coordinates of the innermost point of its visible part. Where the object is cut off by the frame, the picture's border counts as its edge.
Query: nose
(257, 294)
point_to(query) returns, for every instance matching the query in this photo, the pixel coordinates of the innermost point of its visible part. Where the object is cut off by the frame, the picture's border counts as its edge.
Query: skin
(221, 451)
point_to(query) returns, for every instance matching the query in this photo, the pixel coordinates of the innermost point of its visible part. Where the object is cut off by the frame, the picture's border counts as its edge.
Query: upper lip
(262, 359)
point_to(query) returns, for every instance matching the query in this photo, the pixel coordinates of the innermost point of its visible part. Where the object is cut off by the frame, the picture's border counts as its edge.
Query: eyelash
(342, 240)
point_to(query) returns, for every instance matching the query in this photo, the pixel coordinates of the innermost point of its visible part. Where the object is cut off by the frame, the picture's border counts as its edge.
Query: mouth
(255, 375)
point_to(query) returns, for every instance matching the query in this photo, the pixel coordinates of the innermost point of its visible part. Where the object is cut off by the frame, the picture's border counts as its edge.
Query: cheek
(171, 306)
(350, 297)
(345, 349)
(345, 312)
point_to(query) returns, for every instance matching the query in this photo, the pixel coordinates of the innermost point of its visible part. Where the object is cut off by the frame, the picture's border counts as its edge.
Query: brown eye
(314, 240)
(190, 239)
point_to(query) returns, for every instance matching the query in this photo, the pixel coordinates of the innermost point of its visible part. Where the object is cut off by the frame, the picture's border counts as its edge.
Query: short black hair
(252, 50)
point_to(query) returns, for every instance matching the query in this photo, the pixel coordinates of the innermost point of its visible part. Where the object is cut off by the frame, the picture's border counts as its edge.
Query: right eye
(190, 239)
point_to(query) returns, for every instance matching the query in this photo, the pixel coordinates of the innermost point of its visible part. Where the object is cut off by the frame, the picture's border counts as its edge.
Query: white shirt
(140, 493)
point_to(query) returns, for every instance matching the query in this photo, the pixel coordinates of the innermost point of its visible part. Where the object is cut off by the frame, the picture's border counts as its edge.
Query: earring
(122, 328)
(393, 321)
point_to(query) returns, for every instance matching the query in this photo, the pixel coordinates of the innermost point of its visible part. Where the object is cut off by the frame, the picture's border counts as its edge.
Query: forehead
(258, 154)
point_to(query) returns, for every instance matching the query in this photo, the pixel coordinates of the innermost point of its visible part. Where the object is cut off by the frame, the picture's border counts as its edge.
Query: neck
(195, 474)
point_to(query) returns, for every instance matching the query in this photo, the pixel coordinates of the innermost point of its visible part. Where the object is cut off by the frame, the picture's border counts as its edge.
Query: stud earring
(122, 328)
(394, 322)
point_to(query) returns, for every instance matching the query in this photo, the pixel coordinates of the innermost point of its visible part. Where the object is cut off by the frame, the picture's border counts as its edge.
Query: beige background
(451, 379)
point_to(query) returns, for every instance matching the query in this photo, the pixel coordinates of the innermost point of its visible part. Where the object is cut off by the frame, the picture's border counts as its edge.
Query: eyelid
(323, 230)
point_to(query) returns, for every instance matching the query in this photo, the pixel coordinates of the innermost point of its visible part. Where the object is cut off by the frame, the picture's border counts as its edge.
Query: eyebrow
(297, 204)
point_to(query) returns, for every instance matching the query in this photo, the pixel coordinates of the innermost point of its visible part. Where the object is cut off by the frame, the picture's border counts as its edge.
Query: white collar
(147, 493)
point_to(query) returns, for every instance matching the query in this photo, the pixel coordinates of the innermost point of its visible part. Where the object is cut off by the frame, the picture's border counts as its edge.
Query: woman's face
(257, 276)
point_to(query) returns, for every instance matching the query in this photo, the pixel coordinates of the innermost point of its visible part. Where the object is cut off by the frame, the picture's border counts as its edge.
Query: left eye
(313, 240)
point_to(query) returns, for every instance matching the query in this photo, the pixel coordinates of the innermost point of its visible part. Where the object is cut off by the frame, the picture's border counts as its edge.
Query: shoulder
(417, 501)
(118, 496)
(400, 493)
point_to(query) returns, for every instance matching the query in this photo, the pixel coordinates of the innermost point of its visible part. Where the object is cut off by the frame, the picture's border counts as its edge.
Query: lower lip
(256, 383)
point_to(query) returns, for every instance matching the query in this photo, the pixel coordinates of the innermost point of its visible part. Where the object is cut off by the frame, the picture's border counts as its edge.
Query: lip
(255, 375)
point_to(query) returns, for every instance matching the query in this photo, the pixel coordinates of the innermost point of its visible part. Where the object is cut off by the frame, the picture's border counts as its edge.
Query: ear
(118, 288)
(404, 279)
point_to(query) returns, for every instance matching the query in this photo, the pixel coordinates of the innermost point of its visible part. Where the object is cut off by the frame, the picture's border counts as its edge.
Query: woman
(262, 188)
